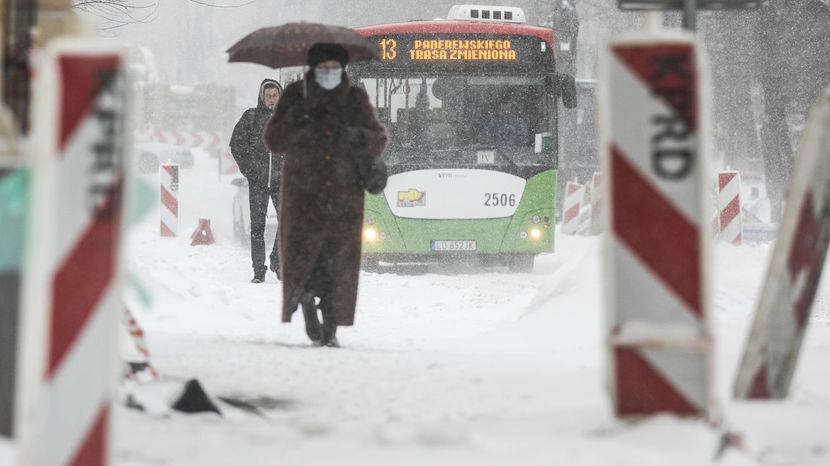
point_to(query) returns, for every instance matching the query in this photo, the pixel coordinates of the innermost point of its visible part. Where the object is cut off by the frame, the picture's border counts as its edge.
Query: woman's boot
(312, 322)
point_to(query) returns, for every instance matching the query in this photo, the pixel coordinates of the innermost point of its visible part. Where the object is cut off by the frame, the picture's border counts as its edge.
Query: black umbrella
(288, 45)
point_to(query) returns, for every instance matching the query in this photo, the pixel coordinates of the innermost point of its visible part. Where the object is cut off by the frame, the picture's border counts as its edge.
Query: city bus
(470, 103)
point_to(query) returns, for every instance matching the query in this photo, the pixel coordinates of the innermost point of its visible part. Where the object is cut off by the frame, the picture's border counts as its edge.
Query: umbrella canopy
(288, 45)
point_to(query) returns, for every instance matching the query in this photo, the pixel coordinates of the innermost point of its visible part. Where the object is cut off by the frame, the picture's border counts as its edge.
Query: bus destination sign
(443, 50)
(415, 50)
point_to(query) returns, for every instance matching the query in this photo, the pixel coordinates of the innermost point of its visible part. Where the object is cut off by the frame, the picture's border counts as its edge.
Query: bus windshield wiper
(500, 152)
(508, 158)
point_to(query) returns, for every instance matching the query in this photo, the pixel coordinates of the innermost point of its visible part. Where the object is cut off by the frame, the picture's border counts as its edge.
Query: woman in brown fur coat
(323, 126)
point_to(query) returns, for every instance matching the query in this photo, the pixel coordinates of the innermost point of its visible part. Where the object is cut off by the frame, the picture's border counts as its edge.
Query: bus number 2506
(499, 200)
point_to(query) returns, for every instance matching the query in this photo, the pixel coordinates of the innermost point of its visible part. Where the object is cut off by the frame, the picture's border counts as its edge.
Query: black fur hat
(321, 52)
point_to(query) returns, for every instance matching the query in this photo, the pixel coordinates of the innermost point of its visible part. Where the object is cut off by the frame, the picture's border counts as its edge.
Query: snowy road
(486, 368)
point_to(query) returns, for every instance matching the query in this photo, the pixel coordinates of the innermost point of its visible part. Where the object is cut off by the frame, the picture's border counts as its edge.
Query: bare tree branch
(119, 13)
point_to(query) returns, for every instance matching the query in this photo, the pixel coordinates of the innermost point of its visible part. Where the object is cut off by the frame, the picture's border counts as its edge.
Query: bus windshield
(455, 120)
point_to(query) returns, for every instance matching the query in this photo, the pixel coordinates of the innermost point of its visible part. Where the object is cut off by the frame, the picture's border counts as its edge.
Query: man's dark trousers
(258, 199)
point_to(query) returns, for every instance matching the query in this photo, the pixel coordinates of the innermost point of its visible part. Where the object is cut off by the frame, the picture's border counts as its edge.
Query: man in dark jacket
(325, 127)
(262, 169)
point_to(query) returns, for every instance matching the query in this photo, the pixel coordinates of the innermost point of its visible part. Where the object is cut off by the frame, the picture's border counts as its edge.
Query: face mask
(328, 78)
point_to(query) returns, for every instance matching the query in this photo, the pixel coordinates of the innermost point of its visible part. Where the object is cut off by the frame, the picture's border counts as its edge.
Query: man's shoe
(259, 275)
(331, 343)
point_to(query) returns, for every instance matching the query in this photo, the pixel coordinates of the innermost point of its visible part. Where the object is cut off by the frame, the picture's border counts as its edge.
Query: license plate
(458, 245)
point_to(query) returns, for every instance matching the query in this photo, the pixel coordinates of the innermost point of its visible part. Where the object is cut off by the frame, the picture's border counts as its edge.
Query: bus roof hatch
(505, 14)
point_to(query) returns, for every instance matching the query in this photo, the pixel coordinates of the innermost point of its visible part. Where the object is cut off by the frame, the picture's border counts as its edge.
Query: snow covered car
(242, 216)
(151, 154)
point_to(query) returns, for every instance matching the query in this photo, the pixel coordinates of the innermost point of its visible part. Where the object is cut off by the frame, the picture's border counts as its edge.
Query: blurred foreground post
(19, 18)
(13, 205)
(56, 18)
(71, 293)
(774, 343)
(653, 99)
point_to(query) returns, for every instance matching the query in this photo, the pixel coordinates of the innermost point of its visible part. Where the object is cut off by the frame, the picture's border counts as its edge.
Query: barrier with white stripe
(774, 342)
(71, 287)
(169, 198)
(574, 195)
(596, 204)
(659, 341)
(191, 139)
(730, 221)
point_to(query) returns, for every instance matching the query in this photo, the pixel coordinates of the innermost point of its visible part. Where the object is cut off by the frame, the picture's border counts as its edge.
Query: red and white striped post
(169, 198)
(659, 342)
(71, 288)
(596, 204)
(136, 334)
(574, 195)
(774, 343)
(729, 207)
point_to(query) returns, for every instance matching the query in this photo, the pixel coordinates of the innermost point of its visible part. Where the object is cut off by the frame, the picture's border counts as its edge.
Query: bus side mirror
(566, 84)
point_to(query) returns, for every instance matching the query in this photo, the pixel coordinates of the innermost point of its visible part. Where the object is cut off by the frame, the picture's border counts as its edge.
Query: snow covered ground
(471, 368)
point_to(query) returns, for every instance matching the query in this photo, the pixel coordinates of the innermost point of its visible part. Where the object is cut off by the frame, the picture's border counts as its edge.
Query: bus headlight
(370, 234)
(535, 219)
(535, 233)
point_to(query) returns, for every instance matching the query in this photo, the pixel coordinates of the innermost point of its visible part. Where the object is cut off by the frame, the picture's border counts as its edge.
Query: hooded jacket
(248, 149)
(322, 134)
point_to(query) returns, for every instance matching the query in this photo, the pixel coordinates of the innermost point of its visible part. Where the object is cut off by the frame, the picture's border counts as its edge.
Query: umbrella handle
(305, 86)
